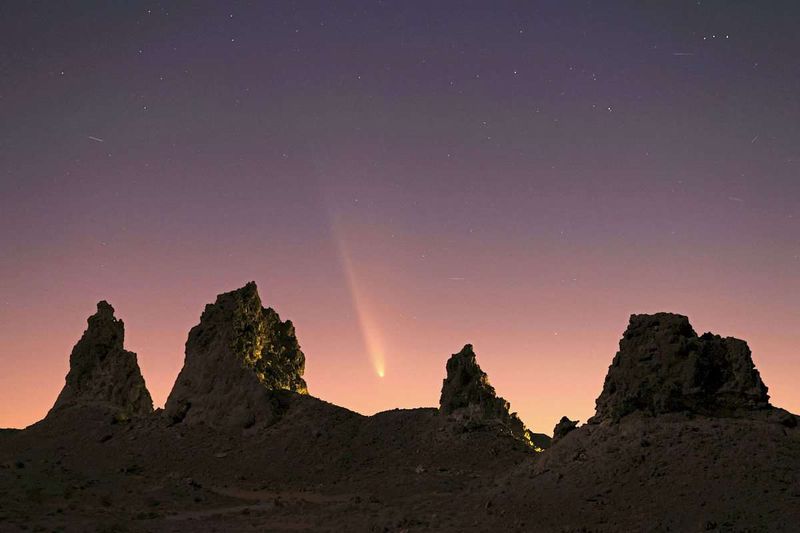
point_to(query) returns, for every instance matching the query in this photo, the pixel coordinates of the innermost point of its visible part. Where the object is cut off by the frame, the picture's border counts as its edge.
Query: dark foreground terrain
(325, 469)
(684, 439)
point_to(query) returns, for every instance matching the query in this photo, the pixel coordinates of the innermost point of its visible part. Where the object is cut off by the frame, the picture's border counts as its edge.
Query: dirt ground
(323, 468)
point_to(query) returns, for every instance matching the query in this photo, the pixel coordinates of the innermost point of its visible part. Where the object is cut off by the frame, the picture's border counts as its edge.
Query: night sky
(400, 178)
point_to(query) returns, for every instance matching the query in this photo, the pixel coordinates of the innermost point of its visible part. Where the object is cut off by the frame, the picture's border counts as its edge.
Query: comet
(373, 340)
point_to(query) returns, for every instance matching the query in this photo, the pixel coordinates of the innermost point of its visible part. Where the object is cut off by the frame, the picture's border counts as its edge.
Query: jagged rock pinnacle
(564, 426)
(102, 371)
(663, 366)
(238, 354)
(468, 396)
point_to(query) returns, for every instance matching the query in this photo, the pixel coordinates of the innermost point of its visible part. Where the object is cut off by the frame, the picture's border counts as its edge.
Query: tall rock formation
(468, 396)
(102, 372)
(663, 366)
(235, 358)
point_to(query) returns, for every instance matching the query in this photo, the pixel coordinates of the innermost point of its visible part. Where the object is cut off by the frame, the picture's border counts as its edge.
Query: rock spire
(102, 372)
(237, 356)
(468, 396)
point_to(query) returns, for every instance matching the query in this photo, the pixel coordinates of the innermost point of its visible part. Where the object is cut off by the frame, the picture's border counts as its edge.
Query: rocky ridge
(663, 366)
(310, 465)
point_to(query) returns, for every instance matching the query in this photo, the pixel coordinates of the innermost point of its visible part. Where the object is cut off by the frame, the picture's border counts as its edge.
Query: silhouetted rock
(102, 372)
(235, 358)
(467, 396)
(663, 366)
(564, 426)
(539, 440)
(320, 467)
(782, 417)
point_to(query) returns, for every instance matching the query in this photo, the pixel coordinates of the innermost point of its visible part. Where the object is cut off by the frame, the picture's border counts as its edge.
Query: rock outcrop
(102, 372)
(564, 426)
(664, 366)
(236, 358)
(467, 396)
(539, 441)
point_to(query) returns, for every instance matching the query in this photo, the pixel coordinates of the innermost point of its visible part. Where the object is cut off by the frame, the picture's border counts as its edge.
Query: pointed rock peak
(564, 426)
(466, 351)
(663, 366)
(539, 441)
(465, 384)
(468, 396)
(235, 357)
(103, 326)
(104, 311)
(247, 294)
(102, 371)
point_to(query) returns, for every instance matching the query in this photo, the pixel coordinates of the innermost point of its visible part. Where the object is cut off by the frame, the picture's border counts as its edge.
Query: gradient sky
(400, 178)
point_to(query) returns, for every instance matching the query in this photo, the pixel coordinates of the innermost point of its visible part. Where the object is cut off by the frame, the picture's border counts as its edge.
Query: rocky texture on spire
(663, 366)
(102, 372)
(467, 396)
(237, 356)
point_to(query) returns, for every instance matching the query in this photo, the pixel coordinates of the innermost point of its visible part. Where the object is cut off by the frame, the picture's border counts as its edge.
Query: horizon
(400, 180)
(160, 397)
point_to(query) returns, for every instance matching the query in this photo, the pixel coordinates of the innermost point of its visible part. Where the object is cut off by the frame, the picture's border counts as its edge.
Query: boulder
(237, 358)
(102, 372)
(663, 366)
